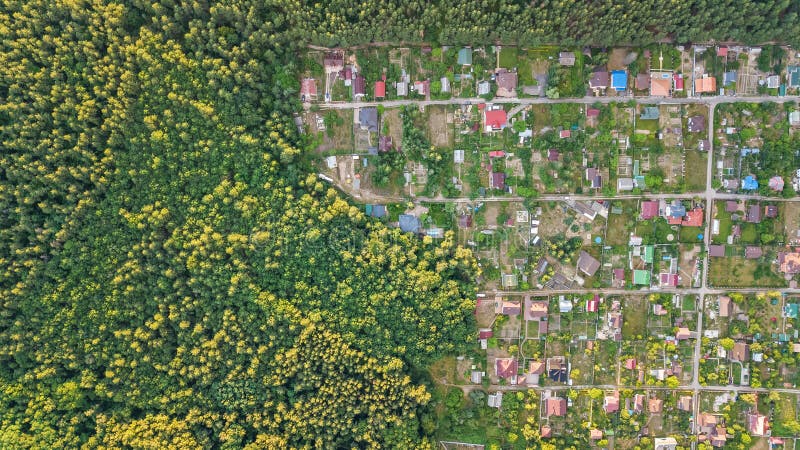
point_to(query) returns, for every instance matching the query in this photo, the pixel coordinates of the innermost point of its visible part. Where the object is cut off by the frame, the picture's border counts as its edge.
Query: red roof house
(506, 368)
(555, 406)
(380, 89)
(494, 120)
(649, 209)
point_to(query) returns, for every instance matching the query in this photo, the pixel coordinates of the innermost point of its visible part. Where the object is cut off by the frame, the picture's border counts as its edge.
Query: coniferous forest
(173, 275)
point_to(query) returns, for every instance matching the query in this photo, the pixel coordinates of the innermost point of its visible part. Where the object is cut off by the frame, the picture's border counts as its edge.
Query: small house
(506, 369)
(494, 120)
(753, 252)
(380, 89)
(555, 406)
(705, 85)
(740, 352)
(696, 124)
(724, 306)
(566, 59)
(716, 251)
(506, 83)
(619, 80)
(587, 263)
(685, 403)
(465, 57)
(599, 81)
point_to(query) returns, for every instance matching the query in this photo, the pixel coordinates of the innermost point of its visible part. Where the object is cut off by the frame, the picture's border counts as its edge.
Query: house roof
(793, 75)
(641, 277)
(638, 403)
(536, 309)
(506, 84)
(495, 119)
(619, 80)
(696, 124)
(599, 79)
(660, 85)
(485, 333)
(334, 60)
(308, 86)
(740, 352)
(776, 183)
(546, 431)
(630, 363)
(757, 424)
(595, 434)
(385, 143)
(729, 78)
(592, 305)
(643, 81)
(619, 274)
(402, 88)
(731, 206)
(368, 118)
(555, 406)
(683, 333)
(498, 180)
(409, 223)
(669, 279)
(678, 79)
(649, 209)
(625, 184)
(506, 367)
(724, 306)
(465, 57)
(564, 134)
(753, 252)
(722, 51)
(705, 84)
(587, 263)
(716, 251)
(611, 403)
(380, 89)
(536, 367)
(464, 221)
(654, 405)
(359, 85)
(693, 217)
(592, 112)
(754, 213)
(789, 262)
(650, 113)
(566, 58)
(685, 403)
(771, 211)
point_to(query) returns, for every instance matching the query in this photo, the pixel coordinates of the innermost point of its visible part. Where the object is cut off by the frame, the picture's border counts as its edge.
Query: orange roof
(708, 84)
(694, 218)
(660, 86)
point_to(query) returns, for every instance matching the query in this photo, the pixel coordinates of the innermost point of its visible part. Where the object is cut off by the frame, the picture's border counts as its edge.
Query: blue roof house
(729, 78)
(409, 223)
(619, 80)
(465, 57)
(749, 183)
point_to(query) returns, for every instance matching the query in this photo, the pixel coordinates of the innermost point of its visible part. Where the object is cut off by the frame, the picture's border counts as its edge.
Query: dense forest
(172, 275)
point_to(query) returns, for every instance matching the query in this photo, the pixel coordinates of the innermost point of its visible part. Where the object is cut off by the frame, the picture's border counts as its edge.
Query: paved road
(647, 196)
(710, 100)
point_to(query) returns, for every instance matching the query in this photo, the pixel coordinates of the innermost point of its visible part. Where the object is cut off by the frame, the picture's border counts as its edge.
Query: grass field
(740, 272)
(634, 323)
(689, 234)
(696, 163)
(508, 57)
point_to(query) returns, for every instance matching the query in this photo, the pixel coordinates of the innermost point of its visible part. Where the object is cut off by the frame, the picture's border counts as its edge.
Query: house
(638, 403)
(630, 363)
(791, 310)
(677, 79)
(535, 310)
(728, 78)
(380, 89)
(794, 118)
(557, 369)
(753, 214)
(422, 87)
(642, 82)
(599, 81)
(641, 277)
(660, 84)
(789, 262)
(740, 352)
(753, 252)
(722, 51)
(619, 277)
(592, 112)
(773, 81)
(595, 434)
(564, 305)
(368, 119)
(625, 184)
(704, 145)
(376, 211)
(776, 183)
(506, 83)
(770, 211)
(619, 80)
(347, 76)
(464, 221)
(666, 443)
(793, 76)
(650, 113)
(593, 305)
(668, 279)
(731, 206)
(494, 120)
(563, 134)
(308, 89)
(476, 377)
(705, 84)
(506, 307)
(655, 405)
(498, 180)
(506, 369)
(685, 403)
(553, 155)
(445, 82)
(333, 61)
(749, 183)
(587, 263)
(409, 223)
(649, 209)
(696, 124)
(555, 406)
(566, 59)
(484, 88)
(594, 178)
(402, 88)
(682, 334)
(611, 403)
(724, 306)
(536, 368)
(716, 251)
(659, 310)
(706, 423)
(757, 424)
(359, 86)
(495, 400)
(546, 431)
(465, 57)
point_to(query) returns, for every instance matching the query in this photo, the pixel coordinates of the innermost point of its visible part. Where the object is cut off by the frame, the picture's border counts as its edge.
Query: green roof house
(648, 254)
(641, 277)
(465, 57)
(793, 74)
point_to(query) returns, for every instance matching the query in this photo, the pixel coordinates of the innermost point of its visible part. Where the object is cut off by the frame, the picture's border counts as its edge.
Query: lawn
(725, 224)
(749, 233)
(633, 323)
(696, 164)
(508, 57)
(740, 272)
(689, 234)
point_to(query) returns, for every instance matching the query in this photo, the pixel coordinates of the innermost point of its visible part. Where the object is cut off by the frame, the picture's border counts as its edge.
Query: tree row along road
(710, 100)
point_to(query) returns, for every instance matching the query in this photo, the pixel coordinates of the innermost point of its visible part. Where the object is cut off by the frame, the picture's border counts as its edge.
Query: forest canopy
(172, 275)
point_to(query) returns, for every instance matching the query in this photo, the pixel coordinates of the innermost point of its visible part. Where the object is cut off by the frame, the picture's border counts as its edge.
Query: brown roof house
(753, 214)
(506, 83)
(740, 352)
(506, 307)
(555, 406)
(595, 434)
(789, 262)
(535, 310)
(685, 403)
(638, 403)
(588, 264)
(655, 405)
(716, 251)
(546, 431)
(599, 81)
(682, 334)
(333, 61)
(724, 306)
(535, 370)
(753, 252)
(757, 424)
(506, 369)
